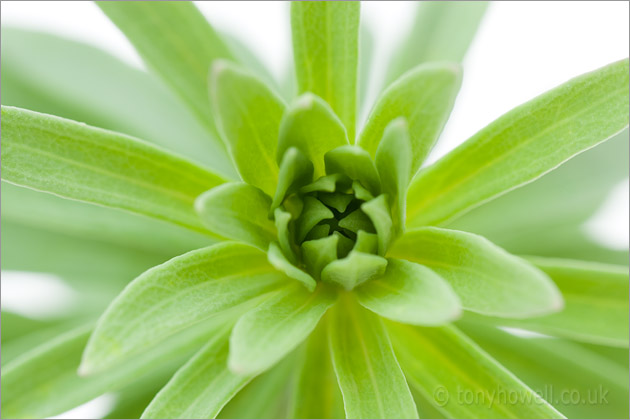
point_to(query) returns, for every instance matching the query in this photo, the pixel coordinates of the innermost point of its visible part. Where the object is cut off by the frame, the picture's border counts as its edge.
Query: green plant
(348, 261)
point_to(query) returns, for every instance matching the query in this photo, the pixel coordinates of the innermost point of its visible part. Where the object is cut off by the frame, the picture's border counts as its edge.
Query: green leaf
(295, 171)
(75, 161)
(248, 116)
(393, 163)
(316, 394)
(372, 384)
(312, 213)
(596, 302)
(238, 211)
(366, 60)
(201, 387)
(177, 43)
(356, 163)
(487, 279)
(378, 211)
(318, 253)
(311, 126)
(446, 366)
(74, 80)
(522, 145)
(268, 333)
(326, 51)
(34, 210)
(175, 295)
(424, 96)
(280, 262)
(440, 31)
(412, 294)
(353, 270)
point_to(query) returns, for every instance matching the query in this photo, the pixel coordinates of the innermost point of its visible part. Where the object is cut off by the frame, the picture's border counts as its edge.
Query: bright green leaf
(280, 262)
(372, 384)
(353, 270)
(522, 145)
(424, 96)
(238, 211)
(295, 171)
(487, 279)
(311, 126)
(378, 211)
(412, 294)
(266, 334)
(175, 295)
(446, 366)
(84, 163)
(318, 253)
(326, 51)
(312, 213)
(248, 117)
(356, 163)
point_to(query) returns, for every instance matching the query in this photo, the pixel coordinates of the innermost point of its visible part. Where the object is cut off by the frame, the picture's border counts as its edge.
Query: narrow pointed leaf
(175, 295)
(317, 394)
(266, 334)
(312, 213)
(443, 364)
(412, 294)
(295, 171)
(177, 43)
(372, 384)
(248, 117)
(238, 211)
(75, 161)
(424, 96)
(356, 163)
(378, 211)
(311, 126)
(522, 145)
(353, 270)
(393, 163)
(596, 302)
(326, 51)
(366, 59)
(280, 262)
(440, 31)
(487, 279)
(201, 387)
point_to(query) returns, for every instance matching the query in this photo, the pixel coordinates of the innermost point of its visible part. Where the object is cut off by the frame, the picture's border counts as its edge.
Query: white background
(522, 49)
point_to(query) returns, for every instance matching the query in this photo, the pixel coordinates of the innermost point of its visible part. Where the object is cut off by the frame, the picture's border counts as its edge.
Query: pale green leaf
(201, 387)
(238, 211)
(248, 116)
(311, 126)
(378, 211)
(424, 96)
(353, 270)
(326, 53)
(372, 384)
(356, 163)
(268, 333)
(596, 302)
(295, 171)
(366, 61)
(441, 30)
(75, 161)
(74, 80)
(176, 42)
(312, 213)
(487, 279)
(522, 145)
(445, 366)
(316, 394)
(393, 163)
(412, 294)
(280, 262)
(318, 253)
(175, 295)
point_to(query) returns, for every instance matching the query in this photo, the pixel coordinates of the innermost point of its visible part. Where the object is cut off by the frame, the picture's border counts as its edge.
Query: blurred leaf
(280, 262)
(248, 116)
(596, 302)
(372, 384)
(326, 51)
(366, 60)
(425, 97)
(175, 295)
(311, 126)
(441, 31)
(201, 387)
(238, 211)
(70, 79)
(266, 334)
(412, 294)
(89, 164)
(522, 145)
(177, 43)
(316, 394)
(487, 279)
(446, 366)
(248, 58)
(578, 381)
